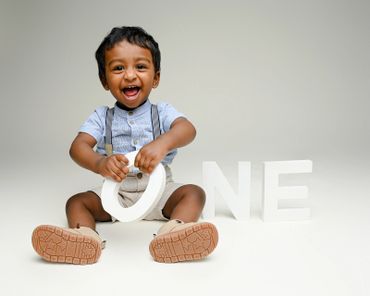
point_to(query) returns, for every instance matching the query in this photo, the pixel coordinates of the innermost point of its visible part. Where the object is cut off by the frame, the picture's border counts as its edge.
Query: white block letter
(272, 191)
(213, 179)
(144, 205)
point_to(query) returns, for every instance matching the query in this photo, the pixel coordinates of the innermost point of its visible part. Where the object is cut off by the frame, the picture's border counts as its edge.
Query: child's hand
(150, 155)
(114, 167)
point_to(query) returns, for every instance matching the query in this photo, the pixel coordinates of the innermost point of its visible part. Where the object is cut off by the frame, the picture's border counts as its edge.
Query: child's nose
(130, 74)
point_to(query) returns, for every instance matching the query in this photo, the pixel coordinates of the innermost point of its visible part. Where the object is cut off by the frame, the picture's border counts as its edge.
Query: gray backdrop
(261, 80)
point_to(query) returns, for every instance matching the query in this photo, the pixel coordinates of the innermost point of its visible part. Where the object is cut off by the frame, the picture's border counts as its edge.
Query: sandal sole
(55, 244)
(192, 243)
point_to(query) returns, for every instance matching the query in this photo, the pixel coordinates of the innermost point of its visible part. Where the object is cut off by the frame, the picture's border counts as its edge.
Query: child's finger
(137, 159)
(115, 170)
(117, 177)
(122, 158)
(145, 164)
(119, 163)
(118, 173)
(140, 163)
(125, 170)
(149, 168)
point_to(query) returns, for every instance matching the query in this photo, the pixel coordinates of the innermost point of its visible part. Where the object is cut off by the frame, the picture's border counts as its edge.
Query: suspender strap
(108, 131)
(155, 122)
(156, 129)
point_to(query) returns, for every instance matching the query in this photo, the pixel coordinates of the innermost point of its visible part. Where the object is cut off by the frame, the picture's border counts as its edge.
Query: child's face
(130, 74)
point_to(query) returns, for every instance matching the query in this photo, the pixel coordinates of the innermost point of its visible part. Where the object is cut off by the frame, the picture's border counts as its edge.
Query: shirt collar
(135, 112)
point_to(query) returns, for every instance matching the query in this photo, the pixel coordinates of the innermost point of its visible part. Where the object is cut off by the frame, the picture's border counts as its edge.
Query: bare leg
(186, 203)
(77, 246)
(84, 209)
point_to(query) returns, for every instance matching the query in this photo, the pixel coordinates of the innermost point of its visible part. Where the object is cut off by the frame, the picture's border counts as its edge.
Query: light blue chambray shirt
(131, 130)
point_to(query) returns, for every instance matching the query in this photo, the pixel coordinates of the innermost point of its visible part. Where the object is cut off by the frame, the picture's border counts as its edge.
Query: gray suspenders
(108, 127)
(108, 131)
(156, 129)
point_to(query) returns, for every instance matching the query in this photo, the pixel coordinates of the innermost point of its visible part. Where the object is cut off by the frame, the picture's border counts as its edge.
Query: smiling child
(129, 68)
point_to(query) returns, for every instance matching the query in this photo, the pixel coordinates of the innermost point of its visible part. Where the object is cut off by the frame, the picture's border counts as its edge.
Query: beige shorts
(133, 188)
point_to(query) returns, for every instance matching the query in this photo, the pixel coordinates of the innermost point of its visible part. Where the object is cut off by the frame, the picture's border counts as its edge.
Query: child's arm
(81, 151)
(181, 133)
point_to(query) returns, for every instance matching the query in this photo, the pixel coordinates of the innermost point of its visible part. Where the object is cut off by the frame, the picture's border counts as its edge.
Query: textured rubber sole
(192, 243)
(56, 244)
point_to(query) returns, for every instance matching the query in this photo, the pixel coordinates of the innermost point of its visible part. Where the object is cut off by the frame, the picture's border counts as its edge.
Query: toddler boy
(129, 67)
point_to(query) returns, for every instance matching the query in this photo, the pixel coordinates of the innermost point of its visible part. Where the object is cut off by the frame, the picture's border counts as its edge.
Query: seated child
(129, 67)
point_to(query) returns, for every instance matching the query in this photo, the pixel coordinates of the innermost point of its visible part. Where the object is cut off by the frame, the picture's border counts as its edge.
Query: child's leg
(185, 203)
(79, 244)
(84, 209)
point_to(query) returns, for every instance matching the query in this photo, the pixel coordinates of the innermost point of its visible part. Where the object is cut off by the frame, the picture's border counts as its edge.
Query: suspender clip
(108, 149)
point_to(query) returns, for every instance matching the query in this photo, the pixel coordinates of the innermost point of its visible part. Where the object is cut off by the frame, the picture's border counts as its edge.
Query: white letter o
(144, 205)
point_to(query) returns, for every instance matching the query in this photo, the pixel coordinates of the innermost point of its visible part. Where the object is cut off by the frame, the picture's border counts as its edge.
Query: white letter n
(214, 179)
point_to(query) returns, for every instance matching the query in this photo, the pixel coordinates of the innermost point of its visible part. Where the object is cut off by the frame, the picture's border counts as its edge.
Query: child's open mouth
(131, 91)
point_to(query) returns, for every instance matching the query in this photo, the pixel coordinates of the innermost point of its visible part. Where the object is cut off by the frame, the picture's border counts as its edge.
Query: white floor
(328, 255)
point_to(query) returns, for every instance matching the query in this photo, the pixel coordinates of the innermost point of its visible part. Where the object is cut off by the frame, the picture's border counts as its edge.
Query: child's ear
(157, 77)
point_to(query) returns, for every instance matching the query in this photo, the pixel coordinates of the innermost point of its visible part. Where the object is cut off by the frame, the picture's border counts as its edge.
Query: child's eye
(118, 68)
(141, 67)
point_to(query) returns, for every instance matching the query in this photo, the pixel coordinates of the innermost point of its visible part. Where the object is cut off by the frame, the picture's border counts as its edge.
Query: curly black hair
(133, 35)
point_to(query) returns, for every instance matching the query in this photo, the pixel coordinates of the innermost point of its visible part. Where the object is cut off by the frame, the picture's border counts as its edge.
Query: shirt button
(130, 112)
(131, 122)
(135, 142)
(139, 175)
